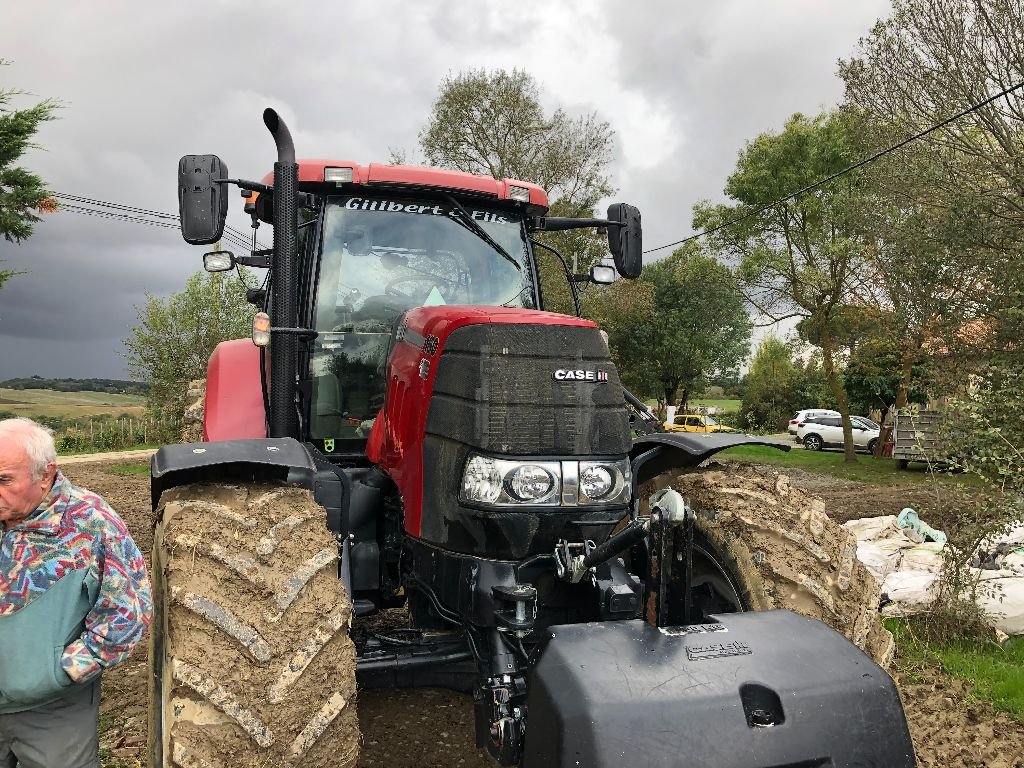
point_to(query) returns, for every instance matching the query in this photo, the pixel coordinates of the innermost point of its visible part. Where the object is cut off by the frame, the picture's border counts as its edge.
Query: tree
(932, 59)
(492, 123)
(22, 194)
(769, 398)
(951, 214)
(175, 337)
(802, 257)
(682, 321)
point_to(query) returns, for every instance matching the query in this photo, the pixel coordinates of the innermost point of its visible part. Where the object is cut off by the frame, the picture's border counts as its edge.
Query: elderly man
(74, 600)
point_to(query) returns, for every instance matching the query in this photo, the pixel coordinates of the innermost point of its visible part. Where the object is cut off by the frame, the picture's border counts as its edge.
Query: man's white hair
(36, 439)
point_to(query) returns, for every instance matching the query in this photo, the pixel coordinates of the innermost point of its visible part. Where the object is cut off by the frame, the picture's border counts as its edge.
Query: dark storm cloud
(684, 85)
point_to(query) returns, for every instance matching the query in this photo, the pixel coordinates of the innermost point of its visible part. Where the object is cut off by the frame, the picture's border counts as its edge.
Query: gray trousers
(61, 734)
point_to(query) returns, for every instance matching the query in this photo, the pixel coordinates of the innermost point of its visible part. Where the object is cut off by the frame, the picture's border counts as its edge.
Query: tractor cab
(379, 256)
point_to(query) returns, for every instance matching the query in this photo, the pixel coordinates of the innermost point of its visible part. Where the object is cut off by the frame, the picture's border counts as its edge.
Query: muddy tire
(250, 661)
(781, 550)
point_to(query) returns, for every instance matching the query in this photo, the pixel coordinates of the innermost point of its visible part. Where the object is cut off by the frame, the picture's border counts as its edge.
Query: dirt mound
(254, 662)
(784, 549)
(952, 728)
(192, 420)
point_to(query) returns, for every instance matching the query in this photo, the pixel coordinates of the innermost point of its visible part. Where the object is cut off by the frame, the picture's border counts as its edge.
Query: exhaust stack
(284, 300)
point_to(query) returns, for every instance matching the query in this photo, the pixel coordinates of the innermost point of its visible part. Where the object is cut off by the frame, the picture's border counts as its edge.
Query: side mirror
(218, 261)
(625, 241)
(202, 203)
(602, 274)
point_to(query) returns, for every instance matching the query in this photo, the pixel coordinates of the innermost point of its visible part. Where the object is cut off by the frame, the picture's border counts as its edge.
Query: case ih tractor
(413, 476)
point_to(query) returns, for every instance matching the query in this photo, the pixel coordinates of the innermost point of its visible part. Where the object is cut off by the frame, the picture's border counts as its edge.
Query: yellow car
(695, 422)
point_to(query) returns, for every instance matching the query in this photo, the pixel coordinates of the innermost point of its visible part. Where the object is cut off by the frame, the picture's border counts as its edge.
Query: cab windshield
(381, 256)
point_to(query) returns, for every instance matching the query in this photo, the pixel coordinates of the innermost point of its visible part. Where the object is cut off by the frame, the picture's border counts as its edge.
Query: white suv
(827, 431)
(801, 416)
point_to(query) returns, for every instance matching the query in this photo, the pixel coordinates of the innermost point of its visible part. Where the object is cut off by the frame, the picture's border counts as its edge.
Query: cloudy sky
(684, 84)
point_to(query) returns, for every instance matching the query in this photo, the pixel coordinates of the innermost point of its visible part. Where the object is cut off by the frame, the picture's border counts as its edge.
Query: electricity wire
(844, 171)
(134, 214)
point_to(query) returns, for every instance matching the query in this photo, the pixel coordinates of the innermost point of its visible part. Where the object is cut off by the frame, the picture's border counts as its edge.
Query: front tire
(250, 659)
(780, 550)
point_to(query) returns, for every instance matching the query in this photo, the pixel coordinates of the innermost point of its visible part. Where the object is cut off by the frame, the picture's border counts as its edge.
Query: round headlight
(529, 483)
(596, 482)
(481, 480)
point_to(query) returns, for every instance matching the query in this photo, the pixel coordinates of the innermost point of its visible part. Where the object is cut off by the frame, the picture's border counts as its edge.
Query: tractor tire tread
(251, 660)
(783, 550)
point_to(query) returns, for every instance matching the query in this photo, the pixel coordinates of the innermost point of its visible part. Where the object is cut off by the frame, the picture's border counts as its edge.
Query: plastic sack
(909, 521)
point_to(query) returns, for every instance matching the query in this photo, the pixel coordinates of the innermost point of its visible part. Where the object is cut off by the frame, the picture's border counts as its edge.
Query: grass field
(68, 405)
(867, 469)
(730, 406)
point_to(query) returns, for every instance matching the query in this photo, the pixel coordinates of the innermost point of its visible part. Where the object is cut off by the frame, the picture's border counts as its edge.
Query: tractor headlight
(596, 482)
(529, 483)
(605, 482)
(508, 483)
(481, 480)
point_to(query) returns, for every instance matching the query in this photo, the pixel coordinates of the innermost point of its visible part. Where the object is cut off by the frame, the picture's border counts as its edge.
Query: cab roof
(396, 176)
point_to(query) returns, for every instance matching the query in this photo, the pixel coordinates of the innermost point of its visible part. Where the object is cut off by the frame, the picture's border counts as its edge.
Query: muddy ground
(434, 728)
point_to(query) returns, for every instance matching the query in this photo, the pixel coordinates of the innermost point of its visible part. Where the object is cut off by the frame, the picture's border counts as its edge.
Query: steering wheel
(428, 280)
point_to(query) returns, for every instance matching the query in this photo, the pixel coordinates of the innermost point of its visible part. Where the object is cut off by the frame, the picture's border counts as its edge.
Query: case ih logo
(564, 374)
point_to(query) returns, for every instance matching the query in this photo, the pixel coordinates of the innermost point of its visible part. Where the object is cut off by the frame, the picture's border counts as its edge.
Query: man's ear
(50, 473)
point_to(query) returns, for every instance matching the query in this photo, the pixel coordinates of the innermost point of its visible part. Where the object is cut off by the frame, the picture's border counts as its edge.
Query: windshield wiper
(466, 219)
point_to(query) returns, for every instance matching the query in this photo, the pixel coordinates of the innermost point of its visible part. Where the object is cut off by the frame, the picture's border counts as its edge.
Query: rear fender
(269, 459)
(653, 454)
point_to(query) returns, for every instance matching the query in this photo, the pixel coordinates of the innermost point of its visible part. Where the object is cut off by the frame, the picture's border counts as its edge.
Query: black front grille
(496, 391)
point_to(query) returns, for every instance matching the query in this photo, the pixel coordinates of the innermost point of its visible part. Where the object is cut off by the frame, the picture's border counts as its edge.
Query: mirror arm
(252, 186)
(562, 223)
(261, 259)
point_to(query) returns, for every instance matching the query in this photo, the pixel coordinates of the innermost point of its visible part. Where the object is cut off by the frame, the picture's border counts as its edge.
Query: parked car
(695, 422)
(827, 432)
(802, 416)
(868, 423)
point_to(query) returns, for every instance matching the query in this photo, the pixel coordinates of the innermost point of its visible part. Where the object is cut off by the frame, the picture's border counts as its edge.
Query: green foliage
(769, 397)
(174, 338)
(492, 123)
(682, 321)
(111, 386)
(872, 378)
(22, 194)
(803, 257)
(777, 386)
(977, 46)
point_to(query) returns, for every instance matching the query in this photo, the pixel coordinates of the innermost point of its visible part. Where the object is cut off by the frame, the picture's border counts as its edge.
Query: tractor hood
(504, 388)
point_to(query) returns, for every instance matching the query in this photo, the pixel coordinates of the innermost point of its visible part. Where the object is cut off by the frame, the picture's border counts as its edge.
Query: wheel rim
(812, 443)
(713, 588)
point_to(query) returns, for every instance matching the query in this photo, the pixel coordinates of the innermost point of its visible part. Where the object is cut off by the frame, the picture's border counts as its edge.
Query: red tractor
(414, 476)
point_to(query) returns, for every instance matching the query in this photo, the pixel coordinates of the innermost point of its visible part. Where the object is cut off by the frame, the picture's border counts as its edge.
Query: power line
(233, 235)
(848, 169)
(133, 219)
